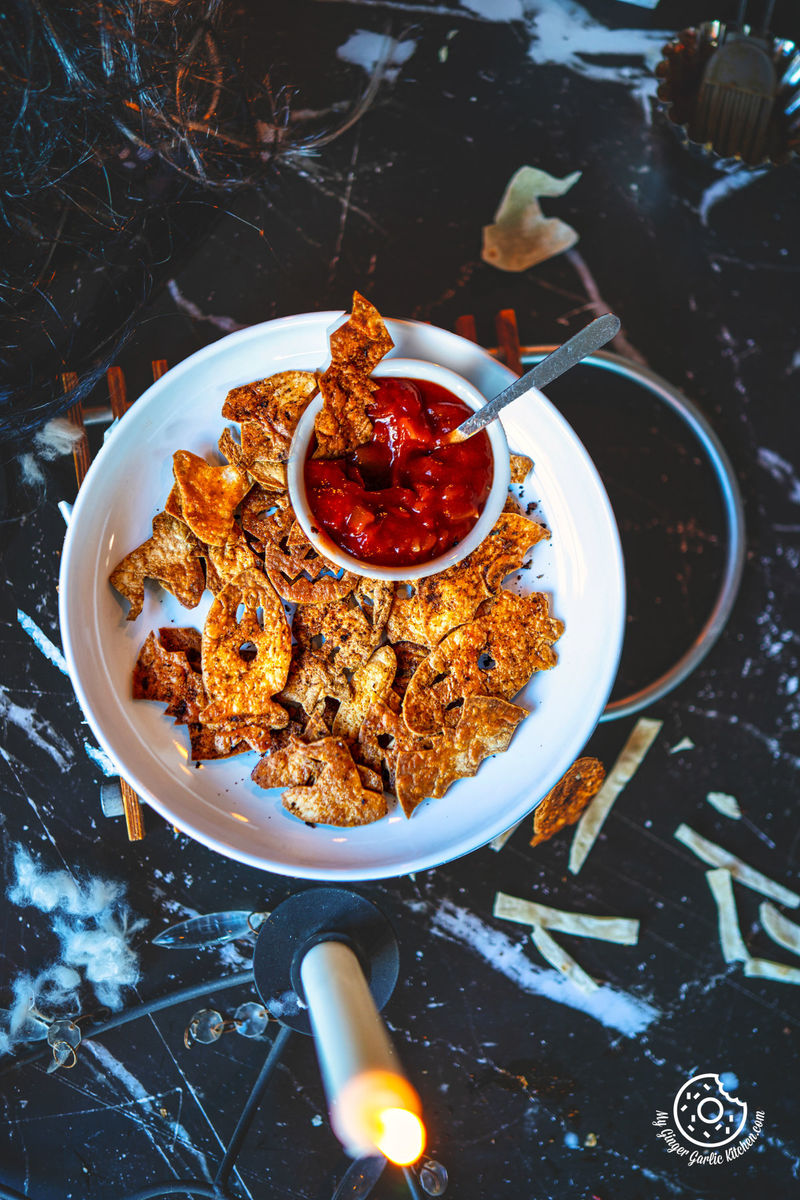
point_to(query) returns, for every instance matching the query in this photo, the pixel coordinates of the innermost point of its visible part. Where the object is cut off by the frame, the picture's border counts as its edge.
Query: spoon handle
(567, 355)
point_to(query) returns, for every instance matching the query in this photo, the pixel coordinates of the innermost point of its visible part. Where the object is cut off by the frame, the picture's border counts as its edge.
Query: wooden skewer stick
(131, 805)
(508, 339)
(80, 451)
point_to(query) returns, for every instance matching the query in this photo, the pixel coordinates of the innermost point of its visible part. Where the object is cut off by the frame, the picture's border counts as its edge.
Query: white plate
(217, 803)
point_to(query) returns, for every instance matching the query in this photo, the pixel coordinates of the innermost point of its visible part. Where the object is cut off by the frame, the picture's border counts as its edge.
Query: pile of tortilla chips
(374, 687)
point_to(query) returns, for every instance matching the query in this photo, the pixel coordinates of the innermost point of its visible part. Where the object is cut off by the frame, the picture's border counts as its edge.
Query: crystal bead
(432, 1177)
(206, 1026)
(65, 1031)
(251, 1019)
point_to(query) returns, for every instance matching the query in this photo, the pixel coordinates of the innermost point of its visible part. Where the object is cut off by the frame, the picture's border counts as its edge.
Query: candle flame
(400, 1135)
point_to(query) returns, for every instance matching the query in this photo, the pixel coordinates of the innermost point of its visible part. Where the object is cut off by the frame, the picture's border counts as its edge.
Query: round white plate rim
(439, 341)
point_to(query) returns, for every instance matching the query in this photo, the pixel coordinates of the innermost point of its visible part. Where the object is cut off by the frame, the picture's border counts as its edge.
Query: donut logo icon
(706, 1115)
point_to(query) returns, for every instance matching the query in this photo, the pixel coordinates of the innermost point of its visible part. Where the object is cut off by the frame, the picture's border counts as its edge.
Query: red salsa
(402, 499)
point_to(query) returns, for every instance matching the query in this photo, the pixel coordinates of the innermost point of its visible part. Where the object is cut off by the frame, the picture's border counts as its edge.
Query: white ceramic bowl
(403, 368)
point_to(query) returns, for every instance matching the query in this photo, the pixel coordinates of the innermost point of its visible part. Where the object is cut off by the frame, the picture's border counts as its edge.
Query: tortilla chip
(323, 783)
(231, 558)
(313, 678)
(209, 495)
(405, 622)
(363, 340)
(299, 588)
(277, 402)
(521, 467)
(375, 598)
(356, 348)
(215, 741)
(493, 655)
(236, 683)
(255, 461)
(342, 423)
(383, 736)
(565, 802)
(452, 597)
(266, 514)
(168, 670)
(347, 633)
(486, 725)
(409, 656)
(170, 556)
(371, 682)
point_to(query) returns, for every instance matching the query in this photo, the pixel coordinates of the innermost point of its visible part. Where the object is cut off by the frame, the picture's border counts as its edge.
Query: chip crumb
(725, 804)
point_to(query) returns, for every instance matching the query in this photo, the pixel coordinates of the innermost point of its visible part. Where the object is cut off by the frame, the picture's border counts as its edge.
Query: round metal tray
(734, 522)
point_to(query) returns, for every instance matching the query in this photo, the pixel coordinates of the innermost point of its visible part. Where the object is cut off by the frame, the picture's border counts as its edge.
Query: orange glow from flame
(400, 1136)
(379, 1110)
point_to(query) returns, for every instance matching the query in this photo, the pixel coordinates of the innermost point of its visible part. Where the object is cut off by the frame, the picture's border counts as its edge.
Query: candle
(372, 1105)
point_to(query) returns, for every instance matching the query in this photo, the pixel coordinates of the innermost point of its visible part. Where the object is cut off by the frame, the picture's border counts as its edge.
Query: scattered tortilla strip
(782, 931)
(501, 839)
(684, 744)
(323, 783)
(371, 684)
(725, 804)
(493, 655)
(715, 856)
(239, 683)
(730, 935)
(631, 756)
(209, 496)
(623, 931)
(485, 727)
(557, 957)
(765, 968)
(171, 557)
(565, 802)
(521, 466)
(522, 235)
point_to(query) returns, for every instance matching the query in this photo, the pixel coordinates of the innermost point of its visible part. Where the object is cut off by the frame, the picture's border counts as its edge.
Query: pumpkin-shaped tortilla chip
(246, 660)
(493, 655)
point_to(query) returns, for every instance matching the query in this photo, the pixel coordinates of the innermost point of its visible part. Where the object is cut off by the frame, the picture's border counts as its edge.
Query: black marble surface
(523, 1096)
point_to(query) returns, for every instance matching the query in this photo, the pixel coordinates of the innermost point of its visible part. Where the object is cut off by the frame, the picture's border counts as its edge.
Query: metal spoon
(567, 355)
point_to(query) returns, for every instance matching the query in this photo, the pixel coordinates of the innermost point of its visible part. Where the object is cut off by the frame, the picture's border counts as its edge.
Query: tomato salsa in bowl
(404, 505)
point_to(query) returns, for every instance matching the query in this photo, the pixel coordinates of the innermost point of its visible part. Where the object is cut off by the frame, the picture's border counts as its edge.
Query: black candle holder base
(319, 915)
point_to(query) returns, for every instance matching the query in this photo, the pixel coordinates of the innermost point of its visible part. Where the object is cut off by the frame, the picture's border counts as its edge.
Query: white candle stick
(372, 1106)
